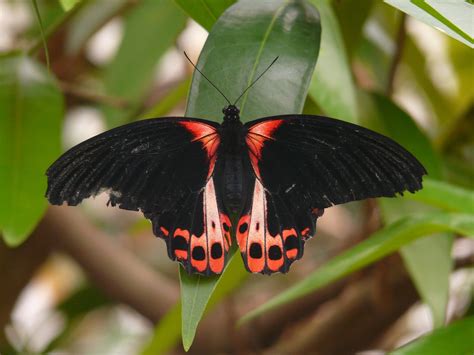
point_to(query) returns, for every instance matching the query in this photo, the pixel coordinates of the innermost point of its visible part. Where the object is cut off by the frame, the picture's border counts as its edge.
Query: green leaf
(452, 17)
(68, 4)
(332, 86)
(200, 293)
(31, 109)
(205, 12)
(258, 31)
(445, 196)
(380, 244)
(455, 339)
(150, 29)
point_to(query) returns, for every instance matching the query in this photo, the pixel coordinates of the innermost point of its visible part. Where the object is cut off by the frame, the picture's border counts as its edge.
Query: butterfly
(266, 181)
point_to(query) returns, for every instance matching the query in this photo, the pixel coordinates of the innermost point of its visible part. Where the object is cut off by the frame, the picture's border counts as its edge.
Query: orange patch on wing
(181, 254)
(290, 253)
(275, 242)
(199, 265)
(164, 231)
(214, 229)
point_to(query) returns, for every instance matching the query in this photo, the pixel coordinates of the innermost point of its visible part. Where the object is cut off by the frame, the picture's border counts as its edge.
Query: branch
(113, 269)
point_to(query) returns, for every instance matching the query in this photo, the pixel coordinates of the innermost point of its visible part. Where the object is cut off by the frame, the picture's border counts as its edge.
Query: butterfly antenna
(205, 77)
(274, 60)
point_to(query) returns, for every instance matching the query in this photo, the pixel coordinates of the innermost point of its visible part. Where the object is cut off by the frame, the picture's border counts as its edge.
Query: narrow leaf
(31, 108)
(452, 17)
(150, 29)
(332, 86)
(380, 244)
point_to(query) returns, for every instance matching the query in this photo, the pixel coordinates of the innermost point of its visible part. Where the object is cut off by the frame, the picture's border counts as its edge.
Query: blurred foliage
(361, 61)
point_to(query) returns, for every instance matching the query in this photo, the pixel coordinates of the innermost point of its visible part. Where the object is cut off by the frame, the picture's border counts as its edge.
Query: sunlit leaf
(68, 4)
(456, 338)
(452, 17)
(380, 244)
(31, 109)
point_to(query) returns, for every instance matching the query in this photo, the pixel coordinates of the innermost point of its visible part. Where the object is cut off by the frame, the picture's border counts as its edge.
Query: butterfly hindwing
(303, 164)
(162, 167)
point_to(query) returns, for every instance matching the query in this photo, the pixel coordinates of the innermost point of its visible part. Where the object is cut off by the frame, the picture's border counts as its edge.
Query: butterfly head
(231, 113)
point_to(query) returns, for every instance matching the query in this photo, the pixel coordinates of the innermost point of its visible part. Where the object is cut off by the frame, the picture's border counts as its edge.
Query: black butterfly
(277, 174)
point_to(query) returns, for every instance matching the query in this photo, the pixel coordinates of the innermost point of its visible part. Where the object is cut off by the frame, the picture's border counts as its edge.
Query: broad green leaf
(243, 42)
(332, 86)
(455, 339)
(150, 29)
(200, 293)
(380, 244)
(88, 20)
(428, 260)
(445, 196)
(259, 31)
(452, 17)
(68, 4)
(205, 12)
(31, 109)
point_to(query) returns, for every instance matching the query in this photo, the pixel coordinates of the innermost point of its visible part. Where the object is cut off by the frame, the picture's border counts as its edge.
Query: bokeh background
(93, 279)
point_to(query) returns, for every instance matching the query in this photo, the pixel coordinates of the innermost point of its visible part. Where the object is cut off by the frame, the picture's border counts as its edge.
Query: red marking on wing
(275, 242)
(181, 254)
(290, 253)
(256, 137)
(209, 138)
(226, 227)
(164, 231)
(242, 232)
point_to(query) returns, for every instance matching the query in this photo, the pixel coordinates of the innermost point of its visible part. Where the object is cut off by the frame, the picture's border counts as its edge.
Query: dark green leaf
(455, 339)
(242, 44)
(205, 12)
(380, 244)
(31, 109)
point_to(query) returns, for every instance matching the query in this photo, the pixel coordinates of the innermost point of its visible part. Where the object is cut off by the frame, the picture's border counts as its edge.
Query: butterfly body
(265, 182)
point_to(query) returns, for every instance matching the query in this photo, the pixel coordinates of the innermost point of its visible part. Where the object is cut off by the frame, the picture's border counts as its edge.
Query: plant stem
(400, 44)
